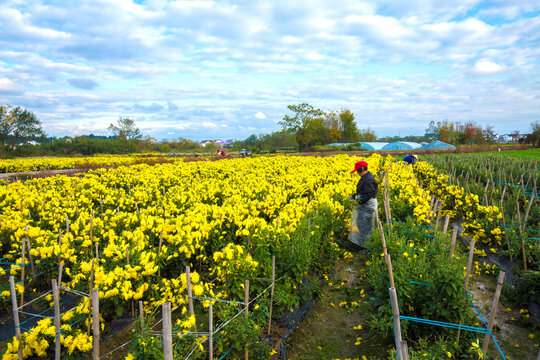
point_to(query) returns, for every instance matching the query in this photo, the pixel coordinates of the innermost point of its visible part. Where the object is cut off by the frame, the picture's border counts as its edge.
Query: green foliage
(18, 125)
(125, 129)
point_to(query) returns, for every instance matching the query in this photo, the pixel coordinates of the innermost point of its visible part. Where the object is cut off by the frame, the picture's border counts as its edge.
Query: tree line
(306, 127)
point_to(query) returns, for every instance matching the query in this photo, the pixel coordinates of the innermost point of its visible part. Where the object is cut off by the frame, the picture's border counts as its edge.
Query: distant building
(206, 142)
(151, 141)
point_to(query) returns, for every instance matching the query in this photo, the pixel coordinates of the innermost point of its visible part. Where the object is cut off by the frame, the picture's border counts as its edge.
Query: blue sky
(228, 69)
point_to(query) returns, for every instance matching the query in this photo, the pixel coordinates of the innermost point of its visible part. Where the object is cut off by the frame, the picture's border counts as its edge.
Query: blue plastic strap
(481, 318)
(419, 283)
(444, 324)
(225, 354)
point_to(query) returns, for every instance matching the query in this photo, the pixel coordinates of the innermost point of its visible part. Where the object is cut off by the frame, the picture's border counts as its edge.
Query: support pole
(404, 350)
(190, 295)
(453, 244)
(383, 240)
(141, 313)
(390, 271)
(272, 292)
(29, 251)
(246, 300)
(23, 270)
(493, 312)
(210, 332)
(56, 299)
(469, 264)
(15, 315)
(518, 213)
(397, 325)
(446, 222)
(506, 232)
(167, 331)
(95, 322)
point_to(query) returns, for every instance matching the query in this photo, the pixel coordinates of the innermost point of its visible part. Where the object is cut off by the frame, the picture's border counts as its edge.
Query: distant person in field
(366, 210)
(410, 159)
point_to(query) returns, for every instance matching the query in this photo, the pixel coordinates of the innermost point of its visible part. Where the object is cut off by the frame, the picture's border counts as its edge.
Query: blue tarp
(438, 145)
(402, 145)
(373, 146)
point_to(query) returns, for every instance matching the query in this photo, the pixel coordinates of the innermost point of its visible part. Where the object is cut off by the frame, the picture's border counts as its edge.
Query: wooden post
(493, 312)
(190, 295)
(90, 287)
(518, 213)
(390, 272)
(453, 244)
(60, 270)
(29, 250)
(528, 210)
(141, 313)
(95, 322)
(404, 350)
(506, 232)
(15, 315)
(272, 292)
(446, 222)
(101, 206)
(67, 223)
(246, 300)
(56, 299)
(469, 264)
(210, 333)
(167, 331)
(397, 325)
(438, 216)
(159, 249)
(383, 240)
(23, 270)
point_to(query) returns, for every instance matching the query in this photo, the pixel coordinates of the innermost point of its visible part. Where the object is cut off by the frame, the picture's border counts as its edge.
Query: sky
(228, 69)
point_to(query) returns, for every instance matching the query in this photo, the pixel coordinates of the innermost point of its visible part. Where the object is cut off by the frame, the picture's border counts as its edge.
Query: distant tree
(534, 137)
(349, 131)
(332, 122)
(125, 129)
(17, 125)
(367, 135)
(305, 124)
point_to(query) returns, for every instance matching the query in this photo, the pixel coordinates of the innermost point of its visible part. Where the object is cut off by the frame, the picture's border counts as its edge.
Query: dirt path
(330, 331)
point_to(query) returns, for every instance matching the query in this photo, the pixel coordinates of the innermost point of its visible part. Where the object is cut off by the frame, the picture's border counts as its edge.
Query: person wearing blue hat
(410, 159)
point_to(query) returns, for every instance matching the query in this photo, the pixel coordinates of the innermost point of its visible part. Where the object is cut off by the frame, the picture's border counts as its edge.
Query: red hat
(358, 165)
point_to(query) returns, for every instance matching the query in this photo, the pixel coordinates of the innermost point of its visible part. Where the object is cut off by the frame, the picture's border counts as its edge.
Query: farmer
(366, 197)
(410, 159)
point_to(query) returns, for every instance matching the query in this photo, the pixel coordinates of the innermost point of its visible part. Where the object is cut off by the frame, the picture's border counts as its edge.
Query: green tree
(305, 124)
(18, 125)
(367, 135)
(349, 131)
(534, 137)
(125, 129)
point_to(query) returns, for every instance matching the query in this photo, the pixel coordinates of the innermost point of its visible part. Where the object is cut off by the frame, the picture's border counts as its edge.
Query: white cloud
(260, 115)
(9, 87)
(487, 67)
(208, 124)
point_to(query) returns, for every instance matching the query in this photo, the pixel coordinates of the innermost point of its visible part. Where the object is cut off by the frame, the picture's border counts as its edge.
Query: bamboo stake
(390, 272)
(469, 264)
(453, 244)
(528, 210)
(95, 322)
(506, 232)
(23, 270)
(437, 221)
(90, 287)
(190, 295)
(210, 333)
(446, 222)
(16, 315)
(397, 325)
(141, 313)
(56, 299)
(404, 350)
(518, 213)
(383, 240)
(167, 331)
(272, 292)
(246, 300)
(67, 223)
(493, 312)
(159, 249)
